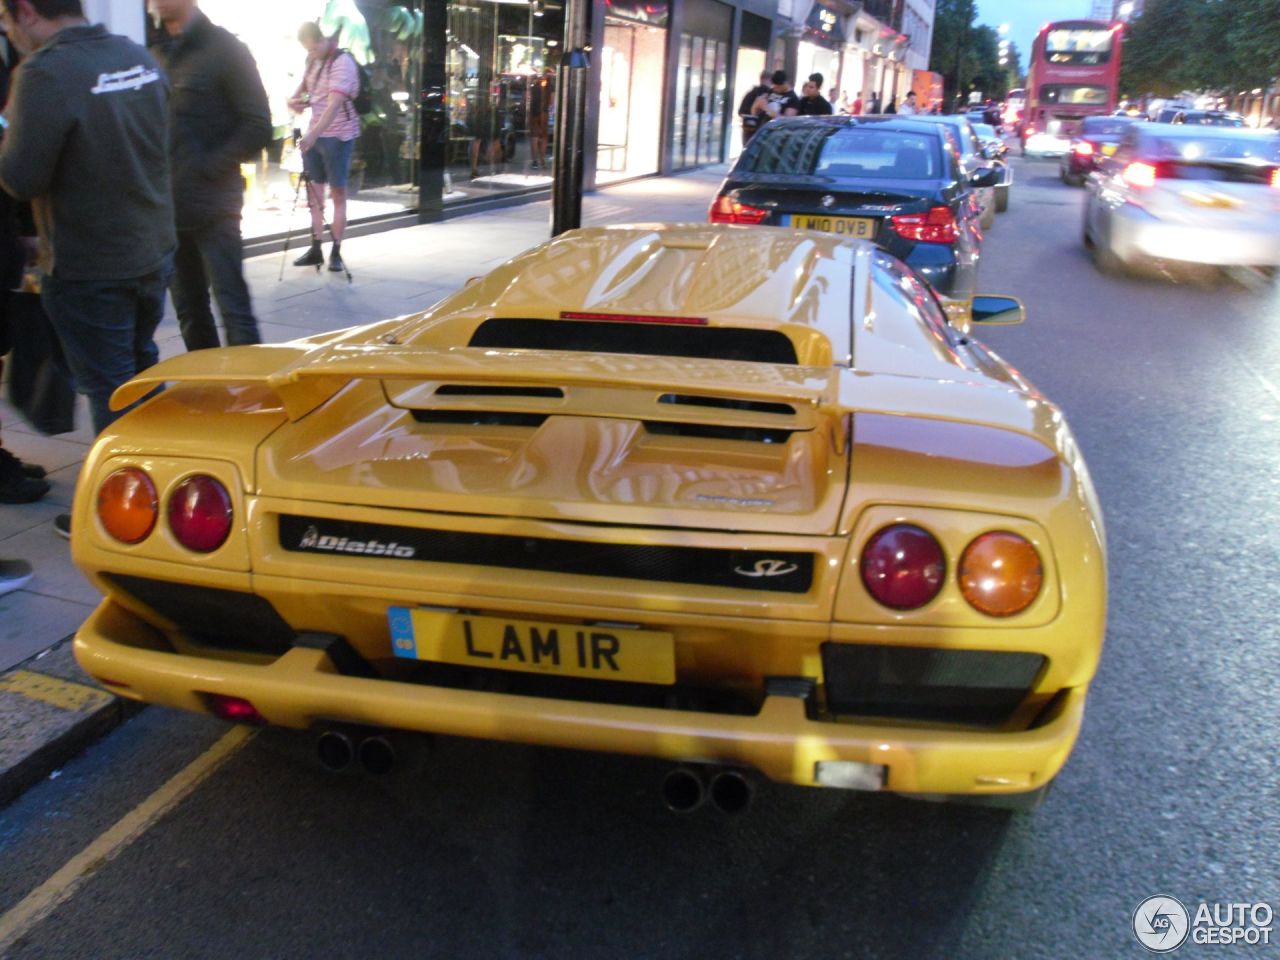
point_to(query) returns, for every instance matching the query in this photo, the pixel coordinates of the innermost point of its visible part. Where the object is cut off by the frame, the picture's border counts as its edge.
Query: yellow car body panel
(709, 507)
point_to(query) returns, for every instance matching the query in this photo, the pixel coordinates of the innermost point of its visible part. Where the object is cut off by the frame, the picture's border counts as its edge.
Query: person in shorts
(330, 83)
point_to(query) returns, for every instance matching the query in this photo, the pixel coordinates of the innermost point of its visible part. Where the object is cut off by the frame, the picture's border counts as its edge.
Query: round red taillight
(1000, 573)
(200, 513)
(127, 505)
(903, 566)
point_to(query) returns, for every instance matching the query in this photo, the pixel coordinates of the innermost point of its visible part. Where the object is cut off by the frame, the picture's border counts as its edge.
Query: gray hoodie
(88, 144)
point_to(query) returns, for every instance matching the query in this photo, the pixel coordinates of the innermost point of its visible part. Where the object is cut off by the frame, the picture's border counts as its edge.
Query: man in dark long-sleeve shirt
(219, 118)
(86, 144)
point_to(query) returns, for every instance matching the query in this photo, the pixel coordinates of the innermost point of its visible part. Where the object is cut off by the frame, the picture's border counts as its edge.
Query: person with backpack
(218, 118)
(330, 85)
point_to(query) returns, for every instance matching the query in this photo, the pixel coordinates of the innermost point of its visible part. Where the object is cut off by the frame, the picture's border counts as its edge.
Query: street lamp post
(569, 153)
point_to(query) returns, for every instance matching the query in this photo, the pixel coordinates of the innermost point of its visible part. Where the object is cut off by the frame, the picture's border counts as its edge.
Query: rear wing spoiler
(673, 389)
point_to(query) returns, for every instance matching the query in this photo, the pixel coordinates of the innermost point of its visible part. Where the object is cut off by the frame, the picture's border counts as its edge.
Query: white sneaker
(14, 575)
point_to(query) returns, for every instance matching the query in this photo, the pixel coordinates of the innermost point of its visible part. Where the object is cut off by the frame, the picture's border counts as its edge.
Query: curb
(51, 711)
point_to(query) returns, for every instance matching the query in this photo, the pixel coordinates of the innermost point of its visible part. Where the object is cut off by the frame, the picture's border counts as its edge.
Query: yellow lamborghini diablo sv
(746, 499)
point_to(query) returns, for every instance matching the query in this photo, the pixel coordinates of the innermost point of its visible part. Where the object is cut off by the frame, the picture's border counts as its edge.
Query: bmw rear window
(1243, 159)
(1104, 126)
(853, 152)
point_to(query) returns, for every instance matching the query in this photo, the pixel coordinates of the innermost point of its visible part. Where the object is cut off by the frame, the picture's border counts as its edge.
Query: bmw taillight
(127, 505)
(728, 210)
(1140, 174)
(937, 226)
(200, 513)
(1000, 573)
(903, 566)
(1083, 148)
(1275, 179)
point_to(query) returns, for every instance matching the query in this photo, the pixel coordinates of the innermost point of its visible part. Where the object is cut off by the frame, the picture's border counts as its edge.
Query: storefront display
(632, 66)
(384, 36)
(501, 61)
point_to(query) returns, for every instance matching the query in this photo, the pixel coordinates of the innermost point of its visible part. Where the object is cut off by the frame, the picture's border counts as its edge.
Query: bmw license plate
(599, 652)
(860, 228)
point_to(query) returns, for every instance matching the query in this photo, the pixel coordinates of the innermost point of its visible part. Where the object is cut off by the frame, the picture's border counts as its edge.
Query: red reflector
(200, 513)
(1083, 149)
(936, 226)
(729, 210)
(1140, 174)
(631, 318)
(235, 709)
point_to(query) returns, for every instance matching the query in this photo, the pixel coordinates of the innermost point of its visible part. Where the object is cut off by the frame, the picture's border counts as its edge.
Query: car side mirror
(985, 177)
(997, 311)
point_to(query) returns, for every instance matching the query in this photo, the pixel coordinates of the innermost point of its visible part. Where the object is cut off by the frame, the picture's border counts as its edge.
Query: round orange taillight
(128, 505)
(1000, 573)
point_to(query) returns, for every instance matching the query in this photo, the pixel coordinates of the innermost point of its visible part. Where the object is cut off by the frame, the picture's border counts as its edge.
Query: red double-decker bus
(1074, 73)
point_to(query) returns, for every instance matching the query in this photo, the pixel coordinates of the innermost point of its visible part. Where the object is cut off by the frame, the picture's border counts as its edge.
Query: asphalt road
(474, 849)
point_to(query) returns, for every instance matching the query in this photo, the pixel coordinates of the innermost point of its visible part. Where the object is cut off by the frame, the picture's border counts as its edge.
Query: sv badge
(768, 568)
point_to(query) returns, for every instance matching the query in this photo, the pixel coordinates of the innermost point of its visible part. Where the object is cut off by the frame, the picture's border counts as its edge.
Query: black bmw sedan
(895, 181)
(1096, 140)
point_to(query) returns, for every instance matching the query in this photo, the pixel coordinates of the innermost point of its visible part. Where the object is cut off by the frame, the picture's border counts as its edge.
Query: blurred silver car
(972, 159)
(995, 149)
(1186, 195)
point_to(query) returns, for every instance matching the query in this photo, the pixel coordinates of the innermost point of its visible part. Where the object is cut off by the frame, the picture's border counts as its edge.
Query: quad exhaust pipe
(686, 788)
(338, 749)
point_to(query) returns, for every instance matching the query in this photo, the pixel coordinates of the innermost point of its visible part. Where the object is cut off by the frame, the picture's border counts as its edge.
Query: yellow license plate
(533, 646)
(860, 228)
(1109, 148)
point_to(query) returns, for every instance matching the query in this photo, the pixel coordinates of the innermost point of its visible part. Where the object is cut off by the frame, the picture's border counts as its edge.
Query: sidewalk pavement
(49, 709)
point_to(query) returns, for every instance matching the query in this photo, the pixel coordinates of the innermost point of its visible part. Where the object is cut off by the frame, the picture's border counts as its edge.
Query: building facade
(462, 90)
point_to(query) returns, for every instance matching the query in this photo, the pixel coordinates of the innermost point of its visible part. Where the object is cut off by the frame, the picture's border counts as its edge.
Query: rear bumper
(1139, 234)
(303, 688)
(1045, 145)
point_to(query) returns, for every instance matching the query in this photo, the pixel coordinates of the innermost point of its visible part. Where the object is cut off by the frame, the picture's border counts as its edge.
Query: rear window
(1245, 159)
(1213, 119)
(1104, 126)
(651, 339)
(856, 152)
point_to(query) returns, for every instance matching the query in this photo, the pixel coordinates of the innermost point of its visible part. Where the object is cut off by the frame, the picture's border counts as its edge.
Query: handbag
(40, 384)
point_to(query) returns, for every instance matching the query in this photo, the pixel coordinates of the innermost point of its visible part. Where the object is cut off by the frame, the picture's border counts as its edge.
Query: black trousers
(212, 257)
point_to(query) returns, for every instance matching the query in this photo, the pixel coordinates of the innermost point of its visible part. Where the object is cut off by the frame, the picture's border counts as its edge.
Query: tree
(1252, 32)
(1160, 49)
(1181, 45)
(953, 25)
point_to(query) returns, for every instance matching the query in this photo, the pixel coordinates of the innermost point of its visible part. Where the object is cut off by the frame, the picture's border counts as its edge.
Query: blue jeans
(329, 161)
(212, 255)
(107, 329)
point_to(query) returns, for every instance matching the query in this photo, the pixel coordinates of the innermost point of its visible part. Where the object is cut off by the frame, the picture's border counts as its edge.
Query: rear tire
(1104, 258)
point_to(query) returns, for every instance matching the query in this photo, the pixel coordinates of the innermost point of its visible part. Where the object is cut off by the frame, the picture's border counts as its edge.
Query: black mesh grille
(775, 571)
(952, 686)
(227, 619)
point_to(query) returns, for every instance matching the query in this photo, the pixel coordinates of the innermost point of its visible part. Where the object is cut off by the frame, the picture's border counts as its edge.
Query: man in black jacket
(218, 118)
